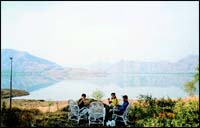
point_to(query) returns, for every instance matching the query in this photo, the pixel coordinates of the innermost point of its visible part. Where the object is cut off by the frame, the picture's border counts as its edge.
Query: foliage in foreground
(151, 112)
(34, 118)
(146, 112)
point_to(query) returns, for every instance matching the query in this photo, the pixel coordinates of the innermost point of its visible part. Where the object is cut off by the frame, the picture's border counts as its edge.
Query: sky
(79, 33)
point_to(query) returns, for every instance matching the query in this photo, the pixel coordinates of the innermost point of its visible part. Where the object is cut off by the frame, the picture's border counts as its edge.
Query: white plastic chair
(96, 113)
(75, 113)
(123, 116)
(71, 102)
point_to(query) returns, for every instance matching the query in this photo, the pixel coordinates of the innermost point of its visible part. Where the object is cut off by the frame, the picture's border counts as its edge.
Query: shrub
(186, 114)
(152, 112)
(97, 94)
(190, 87)
(17, 117)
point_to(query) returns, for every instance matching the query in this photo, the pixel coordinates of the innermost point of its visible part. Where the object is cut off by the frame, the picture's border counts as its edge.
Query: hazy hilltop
(29, 72)
(184, 65)
(32, 73)
(23, 61)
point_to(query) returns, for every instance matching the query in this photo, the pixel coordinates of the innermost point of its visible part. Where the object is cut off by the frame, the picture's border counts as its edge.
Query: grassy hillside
(144, 112)
(5, 93)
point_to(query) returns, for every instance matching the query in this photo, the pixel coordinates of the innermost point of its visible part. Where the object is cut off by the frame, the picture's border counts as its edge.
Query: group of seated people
(112, 107)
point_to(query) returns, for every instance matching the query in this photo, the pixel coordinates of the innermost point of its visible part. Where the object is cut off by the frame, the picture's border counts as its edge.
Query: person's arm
(109, 101)
(118, 105)
(80, 101)
(123, 107)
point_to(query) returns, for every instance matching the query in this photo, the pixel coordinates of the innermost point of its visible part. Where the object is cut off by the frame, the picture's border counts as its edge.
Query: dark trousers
(108, 113)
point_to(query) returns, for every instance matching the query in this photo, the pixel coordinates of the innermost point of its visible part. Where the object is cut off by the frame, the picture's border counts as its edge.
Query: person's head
(83, 95)
(113, 95)
(125, 98)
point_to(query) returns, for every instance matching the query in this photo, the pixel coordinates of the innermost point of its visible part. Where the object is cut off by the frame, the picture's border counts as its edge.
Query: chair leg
(124, 121)
(115, 117)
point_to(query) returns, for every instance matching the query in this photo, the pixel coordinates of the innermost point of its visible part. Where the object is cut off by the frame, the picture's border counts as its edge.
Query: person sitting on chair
(119, 109)
(81, 101)
(114, 101)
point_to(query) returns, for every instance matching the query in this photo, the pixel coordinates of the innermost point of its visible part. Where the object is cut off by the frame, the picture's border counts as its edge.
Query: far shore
(43, 105)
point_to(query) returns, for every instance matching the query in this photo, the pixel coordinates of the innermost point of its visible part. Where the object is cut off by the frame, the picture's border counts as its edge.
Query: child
(114, 101)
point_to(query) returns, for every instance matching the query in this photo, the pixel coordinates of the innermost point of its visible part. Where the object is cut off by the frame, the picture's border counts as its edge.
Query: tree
(189, 87)
(97, 94)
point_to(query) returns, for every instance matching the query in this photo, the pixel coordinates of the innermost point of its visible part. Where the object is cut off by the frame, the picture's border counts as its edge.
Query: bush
(152, 112)
(97, 94)
(18, 118)
(190, 87)
(187, 114)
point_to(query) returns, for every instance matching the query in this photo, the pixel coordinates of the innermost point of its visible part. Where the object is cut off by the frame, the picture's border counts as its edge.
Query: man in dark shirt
(121, 108)
(81, 101)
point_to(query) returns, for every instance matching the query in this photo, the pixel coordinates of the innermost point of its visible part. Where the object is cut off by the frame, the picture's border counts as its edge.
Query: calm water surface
(157, 85)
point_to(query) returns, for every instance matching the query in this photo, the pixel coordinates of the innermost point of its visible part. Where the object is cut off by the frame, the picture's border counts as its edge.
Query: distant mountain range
(185, 65)
(29, 72)
(23, 61)
(32, 73)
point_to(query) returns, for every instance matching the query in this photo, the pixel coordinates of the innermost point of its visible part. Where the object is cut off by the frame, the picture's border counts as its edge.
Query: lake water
(157, 85)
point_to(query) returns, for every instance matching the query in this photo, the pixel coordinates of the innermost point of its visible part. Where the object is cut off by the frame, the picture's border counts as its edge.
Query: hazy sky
(85, 32)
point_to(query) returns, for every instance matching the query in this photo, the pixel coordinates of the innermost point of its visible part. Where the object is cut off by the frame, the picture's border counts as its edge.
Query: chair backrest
(96, 107)
(71, 102)
(126, 112)
(74, 110)
(96, 110)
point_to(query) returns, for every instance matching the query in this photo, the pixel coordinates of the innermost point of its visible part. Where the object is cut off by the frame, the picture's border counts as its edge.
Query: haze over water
(157, 85)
